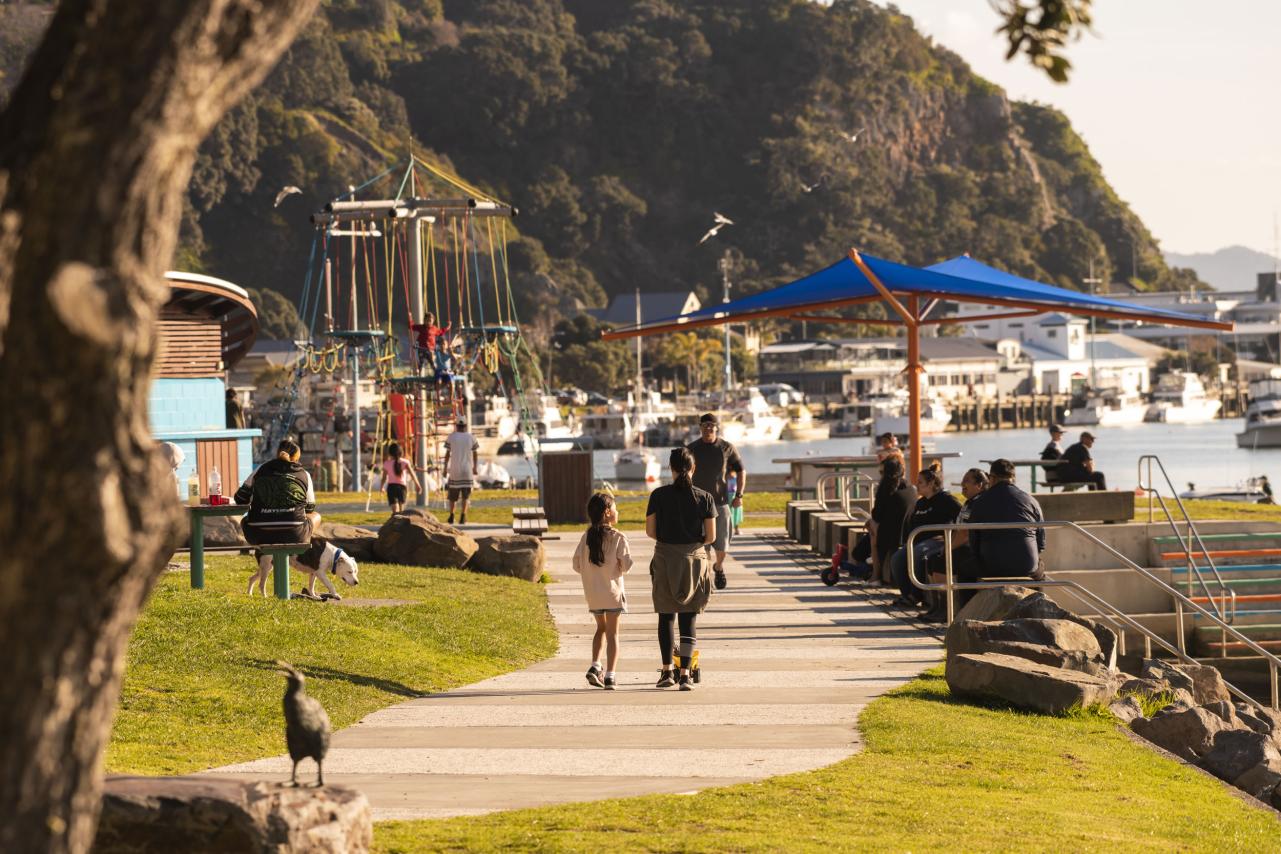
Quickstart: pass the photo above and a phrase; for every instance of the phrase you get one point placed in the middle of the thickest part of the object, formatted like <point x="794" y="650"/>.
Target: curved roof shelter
<point x="911" y="296"/>
<point x="194" y="296"/>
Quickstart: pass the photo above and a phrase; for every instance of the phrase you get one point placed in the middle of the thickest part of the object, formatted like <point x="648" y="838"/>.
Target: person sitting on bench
<point x="281" y="499"/>
<point x="1078" y="465"/>
<point x="1054" y="451"/>
<point x="1008" y="552"/>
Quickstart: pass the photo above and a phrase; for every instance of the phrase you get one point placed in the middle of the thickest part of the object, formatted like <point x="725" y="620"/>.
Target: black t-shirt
<point x="1076" y="456"/>
<point x="942" y="508"/>
<point x="680" y="513"/>
<point x="712" y="460"/>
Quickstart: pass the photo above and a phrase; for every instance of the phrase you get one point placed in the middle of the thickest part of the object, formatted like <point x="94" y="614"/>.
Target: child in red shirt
<point x="428" y="340"/>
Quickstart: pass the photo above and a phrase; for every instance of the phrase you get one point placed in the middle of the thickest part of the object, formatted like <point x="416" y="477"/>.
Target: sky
<point x="1179" y="100"/>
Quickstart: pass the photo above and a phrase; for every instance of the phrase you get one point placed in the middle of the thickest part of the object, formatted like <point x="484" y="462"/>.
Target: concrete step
<point x="1247" y="571"/>
<point x="1222" y="538"/>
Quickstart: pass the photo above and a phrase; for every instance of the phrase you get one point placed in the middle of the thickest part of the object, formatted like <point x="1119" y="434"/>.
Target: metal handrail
<point x="842" y="494"/>
<point x="948" y="586"/>
<point x="1229" y="609"/>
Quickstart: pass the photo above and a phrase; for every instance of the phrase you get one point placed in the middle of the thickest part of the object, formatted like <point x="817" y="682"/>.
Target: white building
<point x="1060" y="356"/>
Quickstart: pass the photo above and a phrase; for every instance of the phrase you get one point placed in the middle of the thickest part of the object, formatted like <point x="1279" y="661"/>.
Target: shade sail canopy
<point x="960" y="279"/>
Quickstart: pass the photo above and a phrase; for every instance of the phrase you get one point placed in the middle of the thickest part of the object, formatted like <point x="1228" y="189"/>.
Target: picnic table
<point x="1032" y="464"/>
<point x="279" y="553"/>
<point x="805" y="470"/>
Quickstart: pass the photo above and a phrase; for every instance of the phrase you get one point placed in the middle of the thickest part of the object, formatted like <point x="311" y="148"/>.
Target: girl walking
<point x="395" y="470"/>
<point x="602" y="559"/>
<point x="682" y="519"/>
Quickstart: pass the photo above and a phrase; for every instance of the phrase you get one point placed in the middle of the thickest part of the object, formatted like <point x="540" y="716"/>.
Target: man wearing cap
<point x="461" y="464"/>
<point x="1078" y="465"/>
<point x="714" y="458"/>
<point x="1010" y="551"/>
<point x="1054" y="450"/>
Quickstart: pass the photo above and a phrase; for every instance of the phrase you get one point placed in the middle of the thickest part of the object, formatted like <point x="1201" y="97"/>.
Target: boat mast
<point x="640" y="375"/>
<point x="1091" y="280"/>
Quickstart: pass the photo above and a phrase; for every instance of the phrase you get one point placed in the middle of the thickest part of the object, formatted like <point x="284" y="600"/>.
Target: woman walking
<point x="681" y="518"/>
<point x="602" y="559"/>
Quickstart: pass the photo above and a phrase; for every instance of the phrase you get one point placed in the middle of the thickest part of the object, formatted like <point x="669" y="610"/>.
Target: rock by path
<point x="787" y="665"/>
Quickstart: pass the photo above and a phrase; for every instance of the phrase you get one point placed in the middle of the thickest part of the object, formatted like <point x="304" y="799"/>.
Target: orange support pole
<point x="914" y="371"/>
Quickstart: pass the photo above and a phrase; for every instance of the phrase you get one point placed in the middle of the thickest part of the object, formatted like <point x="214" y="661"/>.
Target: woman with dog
<point x="395" y="470"/>
<point x="281" y="499"/>
<point x="681" y="518"/>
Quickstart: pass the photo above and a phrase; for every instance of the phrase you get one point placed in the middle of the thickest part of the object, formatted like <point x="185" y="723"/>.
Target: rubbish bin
<point x="564" y="485"/>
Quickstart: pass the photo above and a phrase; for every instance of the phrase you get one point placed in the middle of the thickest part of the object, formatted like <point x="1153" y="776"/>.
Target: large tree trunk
<point x="96" y="149"/>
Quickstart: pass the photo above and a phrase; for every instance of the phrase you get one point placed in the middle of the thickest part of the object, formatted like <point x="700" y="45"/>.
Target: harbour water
<point x="1204" y="454"/>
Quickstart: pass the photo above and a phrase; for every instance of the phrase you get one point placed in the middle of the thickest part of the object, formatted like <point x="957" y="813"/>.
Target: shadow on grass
<point x="328" y="673"/>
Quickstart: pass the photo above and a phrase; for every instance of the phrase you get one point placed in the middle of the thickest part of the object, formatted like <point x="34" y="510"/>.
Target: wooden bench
<point x="531" y="521"/>
<point x="1092" y="506"/>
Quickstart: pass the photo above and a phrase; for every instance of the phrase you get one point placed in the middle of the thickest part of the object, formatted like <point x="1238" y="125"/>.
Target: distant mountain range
<point x="1233" y="268"/>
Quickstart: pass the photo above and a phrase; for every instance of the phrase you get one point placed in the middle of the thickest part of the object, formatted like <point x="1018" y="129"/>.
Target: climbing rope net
<point x="376" y="269"/>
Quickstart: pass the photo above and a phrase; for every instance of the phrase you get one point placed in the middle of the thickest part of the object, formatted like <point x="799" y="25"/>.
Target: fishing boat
<point x="1249" y="491"/>
<point x="935" y="417"/>
<point x="1180" y="398"/>
<point x="1262" y="416"/>
<point x="751" y="420"/>
<point x="637" y="464"/>
<point x="801" y="426"/>
<point x="1107" y="408"/>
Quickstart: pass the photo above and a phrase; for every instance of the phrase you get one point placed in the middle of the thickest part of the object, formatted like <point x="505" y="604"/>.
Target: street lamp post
<point x="1091" y="280"/>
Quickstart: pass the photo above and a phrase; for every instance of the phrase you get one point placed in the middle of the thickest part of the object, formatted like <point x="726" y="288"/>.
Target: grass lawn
<point x="200" y="689"/>
<point x="935" y="775"/>
<point x="1209" y="510"/>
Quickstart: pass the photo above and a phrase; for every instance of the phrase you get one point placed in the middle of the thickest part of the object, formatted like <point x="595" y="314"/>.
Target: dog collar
<point x="333" y="567"/>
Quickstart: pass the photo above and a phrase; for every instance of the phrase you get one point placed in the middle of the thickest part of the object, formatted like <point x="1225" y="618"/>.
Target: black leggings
<point x="667" y="636"/>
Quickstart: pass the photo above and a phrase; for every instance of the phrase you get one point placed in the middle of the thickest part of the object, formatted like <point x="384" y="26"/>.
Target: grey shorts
<point x="723" y="528"/>
<point x="609" y="610"/>
<point x="457" y="493"/>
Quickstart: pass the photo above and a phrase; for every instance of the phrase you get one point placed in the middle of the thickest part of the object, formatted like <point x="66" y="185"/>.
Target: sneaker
<point x="905" y="602"/>
<point x="686" y="683"/>
<point x="720" y="581"/>
<point x="696" y="674"/>
<point x="451" y="519"/>
<point x="594" y="677"/>
<point x="609" y="683"/>
<point x="462" y="520"/>
<point x="666" y="679"/>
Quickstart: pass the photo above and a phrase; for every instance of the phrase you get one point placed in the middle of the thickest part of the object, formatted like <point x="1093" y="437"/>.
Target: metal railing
<point x="843" y="492"/>
<point x="1228" y="610"/>
<point x="1109" y="612"/>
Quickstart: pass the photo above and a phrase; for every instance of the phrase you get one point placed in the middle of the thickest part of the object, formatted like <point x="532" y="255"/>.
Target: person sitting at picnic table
<point x="1008" y="552"/>
<point x="893" y="500"/>
<point x="281" y="499"/>
<point x="1053" y="450"/>
<point x="934" y="506"/>
<point x="1078" y="465"/>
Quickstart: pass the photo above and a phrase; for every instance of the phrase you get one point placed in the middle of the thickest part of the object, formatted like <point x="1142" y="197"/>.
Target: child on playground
<point x="602" y="559"/>
<point x="395" y="470"/>
<point x="429" y="342"/>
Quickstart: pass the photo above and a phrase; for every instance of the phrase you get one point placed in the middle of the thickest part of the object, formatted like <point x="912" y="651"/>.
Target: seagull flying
<point x="852" y="137"/>
<point x="285" y="191"/>
<point x="721" y="221"/>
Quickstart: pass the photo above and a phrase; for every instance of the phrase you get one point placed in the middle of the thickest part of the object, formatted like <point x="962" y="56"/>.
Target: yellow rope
<point x="455" y="181"/>
<point x="493" y="266"/>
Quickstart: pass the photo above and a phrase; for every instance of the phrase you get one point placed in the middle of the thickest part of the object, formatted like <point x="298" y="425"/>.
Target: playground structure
<point x="376" y="267"/>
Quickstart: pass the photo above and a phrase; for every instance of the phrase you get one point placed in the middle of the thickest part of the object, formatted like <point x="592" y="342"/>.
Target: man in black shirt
<point x="1008" y="551"/>
<point x="714" y="458"/>
<point x="1078" y="466"/>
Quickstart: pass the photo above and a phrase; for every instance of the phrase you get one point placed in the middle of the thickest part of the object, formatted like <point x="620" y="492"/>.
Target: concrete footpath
<point x="787" y="665"/>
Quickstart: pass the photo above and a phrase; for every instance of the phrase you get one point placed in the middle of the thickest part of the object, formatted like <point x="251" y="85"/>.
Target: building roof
<point x="797" y="347"/>
<point x="1059" y="319"/>
<point x="197" y="295"/>
<point x="1097" y="350"/>
<point x="653" y="306"/>
<point x="1146" y="349"/>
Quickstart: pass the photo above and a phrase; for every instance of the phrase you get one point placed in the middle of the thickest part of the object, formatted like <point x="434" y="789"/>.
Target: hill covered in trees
<point x="619" y="127"/>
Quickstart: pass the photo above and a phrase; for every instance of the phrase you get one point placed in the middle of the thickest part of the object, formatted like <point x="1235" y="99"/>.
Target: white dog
<point x="322" y="560"/>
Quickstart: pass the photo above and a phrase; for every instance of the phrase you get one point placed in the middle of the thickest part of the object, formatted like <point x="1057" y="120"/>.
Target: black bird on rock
<point x="306" y="725"/>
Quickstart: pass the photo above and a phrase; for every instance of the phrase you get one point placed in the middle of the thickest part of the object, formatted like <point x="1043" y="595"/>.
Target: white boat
<point x="1250" y="491"/>
<point x="935" y="417"/>
<point x="1180" y="398"/>
<point x="751" y="420"/>
<point x="1107" y="408"/>
<point x="1262" y="416"/>
<point x="801" y="426"/>
<point x="637" y="464"/>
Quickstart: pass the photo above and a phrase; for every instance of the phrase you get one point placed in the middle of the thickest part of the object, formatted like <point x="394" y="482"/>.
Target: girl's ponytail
<point x="682" y="463"/>
<point x="597" y="506"/>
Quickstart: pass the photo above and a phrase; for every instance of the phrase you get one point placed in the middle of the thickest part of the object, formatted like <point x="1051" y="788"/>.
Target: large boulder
<point x="165" y="814"/>
<point x="222" y="531"/>
<point x="1126" y="708"/>
<point x="1202" y="680"/>
<point x="1261" y="781"/>
<point x="1186" y="731"/>
<point x="1262" y="720"/>
<point x="1236" y="751"/>
<point x="994" y="603"/>
<point x="1023" y="683"/>
<point x="1154" y="687"/>
<point x="1012" y="602"/>
<point x="1058" y="643"/>
<point x="357" y="542"/>
<point x="414" y="539"/>
<point x="515" y="555"/>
